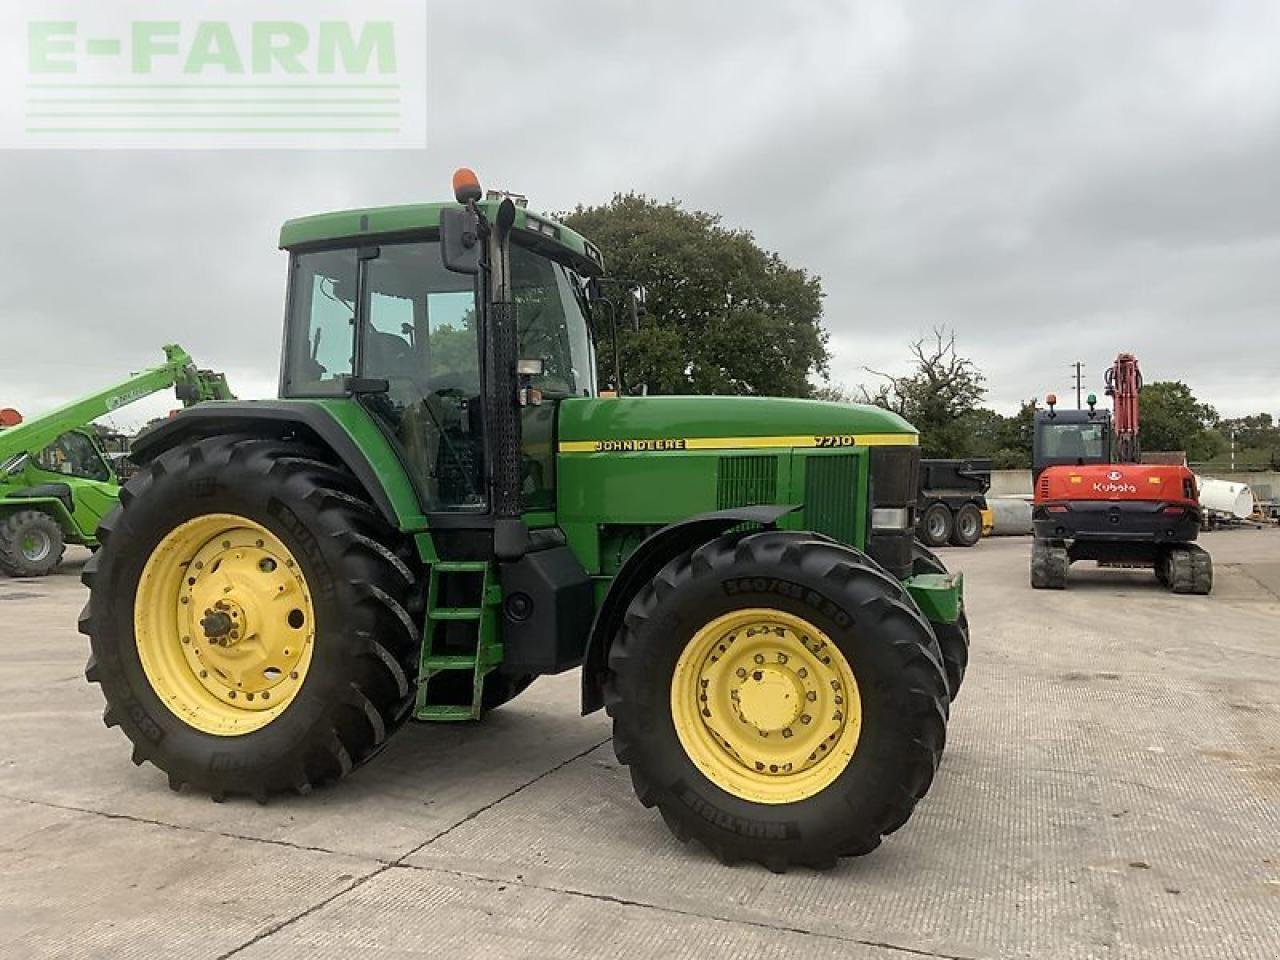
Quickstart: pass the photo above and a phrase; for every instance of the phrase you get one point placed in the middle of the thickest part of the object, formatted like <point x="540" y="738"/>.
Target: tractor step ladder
<point x="482" y="652"/>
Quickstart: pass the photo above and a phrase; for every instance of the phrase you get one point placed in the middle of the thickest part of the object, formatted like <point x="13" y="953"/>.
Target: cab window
<point x="421" y="336"/>
<point x="1076" y="441"/>
<point x="322" y="298"/>
<point x="74" y="455"/>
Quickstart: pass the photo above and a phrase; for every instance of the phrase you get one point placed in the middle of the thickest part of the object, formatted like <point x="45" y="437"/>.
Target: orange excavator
<point x="1095" y="500"/>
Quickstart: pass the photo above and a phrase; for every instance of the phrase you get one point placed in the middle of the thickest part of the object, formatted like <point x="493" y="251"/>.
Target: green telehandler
<point x="443" y="505"/>
<point x="57" y="480"/>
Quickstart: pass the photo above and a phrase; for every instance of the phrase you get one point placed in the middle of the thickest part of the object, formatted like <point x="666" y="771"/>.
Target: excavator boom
<point x="1124" y="382"/>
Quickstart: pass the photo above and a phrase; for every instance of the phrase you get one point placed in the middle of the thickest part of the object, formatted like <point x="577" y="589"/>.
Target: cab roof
<point x="372" y="223"/>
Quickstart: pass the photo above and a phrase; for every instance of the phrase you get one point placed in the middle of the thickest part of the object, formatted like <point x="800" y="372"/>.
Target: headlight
<point x="890" y="518"/>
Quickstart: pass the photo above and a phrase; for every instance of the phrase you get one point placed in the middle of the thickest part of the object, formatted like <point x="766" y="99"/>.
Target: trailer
<point x="952" y="502"/>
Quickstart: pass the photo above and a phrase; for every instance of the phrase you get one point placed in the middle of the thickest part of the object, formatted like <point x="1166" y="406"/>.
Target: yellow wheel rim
<point x="766" y="706"/>
<point x="224" y="624"/>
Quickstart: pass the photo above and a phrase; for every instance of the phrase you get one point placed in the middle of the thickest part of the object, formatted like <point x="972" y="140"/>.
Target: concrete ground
<point x="1111" y="788"/>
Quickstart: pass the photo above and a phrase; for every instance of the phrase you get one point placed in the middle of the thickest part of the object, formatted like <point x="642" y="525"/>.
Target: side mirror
<point x="460" y="240"/>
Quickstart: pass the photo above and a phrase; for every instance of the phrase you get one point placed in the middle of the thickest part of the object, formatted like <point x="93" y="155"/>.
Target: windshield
<point x="552" y="325"/>
<point x="1074" y="441"/>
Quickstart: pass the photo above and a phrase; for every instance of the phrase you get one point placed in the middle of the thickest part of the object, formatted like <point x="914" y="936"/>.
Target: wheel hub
<point x="770" y="699"/>
<point x="36" y="546"/>
<point x="224" y="623"/>
<point x="776" y="712"/>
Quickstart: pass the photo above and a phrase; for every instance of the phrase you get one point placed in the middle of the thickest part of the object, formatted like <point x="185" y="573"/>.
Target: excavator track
<point x="1187" y="568"/>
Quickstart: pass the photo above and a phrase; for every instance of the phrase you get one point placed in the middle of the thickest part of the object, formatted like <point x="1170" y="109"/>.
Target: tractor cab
<point x="1073" y="438"/>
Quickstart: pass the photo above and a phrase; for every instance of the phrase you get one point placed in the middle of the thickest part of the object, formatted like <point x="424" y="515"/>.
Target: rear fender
<point x="639" y="568"/>
<point x="282" y="419"/>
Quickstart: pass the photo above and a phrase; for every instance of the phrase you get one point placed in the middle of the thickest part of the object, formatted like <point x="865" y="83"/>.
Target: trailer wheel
<point x="967" y="529"/>
<point x="778" y="698"/>
<point x="1049" y="565"/>
<point x="31" y="544"/>
<point x="936" y="525"/>
<point x="247" y="618"/>
<point x="953" y="638"/>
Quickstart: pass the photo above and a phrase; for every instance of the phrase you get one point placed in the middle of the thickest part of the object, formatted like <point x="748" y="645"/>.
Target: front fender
<point x="639" y="568"/>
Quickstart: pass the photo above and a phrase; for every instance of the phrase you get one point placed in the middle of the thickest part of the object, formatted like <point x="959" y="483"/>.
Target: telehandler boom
<point x="56" y="482"/>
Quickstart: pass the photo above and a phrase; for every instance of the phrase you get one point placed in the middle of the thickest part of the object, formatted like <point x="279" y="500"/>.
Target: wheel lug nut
<point x="811" y="696"/>
<point x="759" y="658"/>
<point x="788" y="733"/>
<point x="802" y="673"/>
<point x="805" y="718"/>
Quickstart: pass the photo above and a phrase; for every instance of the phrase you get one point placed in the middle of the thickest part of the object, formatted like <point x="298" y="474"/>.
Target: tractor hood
<point x="621" y="424"/>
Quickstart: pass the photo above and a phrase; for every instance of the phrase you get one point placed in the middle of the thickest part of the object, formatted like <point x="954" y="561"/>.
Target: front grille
<point x="831" y="496"/>
<point x="746" y="481"/>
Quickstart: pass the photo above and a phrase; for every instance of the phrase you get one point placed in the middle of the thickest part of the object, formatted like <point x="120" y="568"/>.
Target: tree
<point x="1257" y="442"/>
<point x="719" y="314"/>
<point x="1006" y="441"/>
<point x="943" y="389"/>
<point x="1173" y="419"/>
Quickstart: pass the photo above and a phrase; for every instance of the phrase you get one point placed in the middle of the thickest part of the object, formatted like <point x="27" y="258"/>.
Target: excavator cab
<point x="1070" y="438"/>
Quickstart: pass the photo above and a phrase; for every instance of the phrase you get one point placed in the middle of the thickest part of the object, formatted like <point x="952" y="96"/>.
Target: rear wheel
<point x="1049" y="565"/>
<point x="936" y="525"/>
<point x="247" y="618"/>
<point x="31" y="544"/>
<point x="953" y="638"/>
<point x="967" y="529"/>
<point x="778" y="698"/>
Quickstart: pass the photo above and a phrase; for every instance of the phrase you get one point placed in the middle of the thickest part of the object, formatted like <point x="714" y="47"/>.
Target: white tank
<point x="1226" y="497"/>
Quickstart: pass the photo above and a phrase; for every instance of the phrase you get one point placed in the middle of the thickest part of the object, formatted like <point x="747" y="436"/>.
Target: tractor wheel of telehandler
<point x="936" y="525"/>
<point x="953" y="638"/>
<point x="779" y="698"/>
<point x="247" y="618"/>
<point x="967" y="529"/>
<point x="31" y="544"/>
<point x="1049" y="565"/>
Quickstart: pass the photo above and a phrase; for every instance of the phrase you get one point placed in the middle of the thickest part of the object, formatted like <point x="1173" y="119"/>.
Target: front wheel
<point x="31" y="544"/>
<point x="779" y="698"/>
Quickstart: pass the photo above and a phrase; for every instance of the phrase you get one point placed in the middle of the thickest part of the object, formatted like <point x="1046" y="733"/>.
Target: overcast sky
<point x="1056" y="181"/>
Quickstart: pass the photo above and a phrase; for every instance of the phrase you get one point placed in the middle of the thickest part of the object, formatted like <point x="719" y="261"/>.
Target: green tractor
<point x="442" y="506"/>
<point x="58" y="480"/>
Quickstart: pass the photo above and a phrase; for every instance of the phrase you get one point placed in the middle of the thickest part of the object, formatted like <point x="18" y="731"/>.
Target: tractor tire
<point x="1186" y="569"/>
<point x="1049" y="565"/>
<point x="31" y="544"/>
<point x="232" y="535"/>
<point x="936" y="524"/>
<point x="967" y="528"/>
<point x="754" y="751"/>
<point x="953" y="638"/>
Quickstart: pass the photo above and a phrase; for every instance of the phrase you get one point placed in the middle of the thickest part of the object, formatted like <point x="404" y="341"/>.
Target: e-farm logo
<point x="205" y="74"/>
